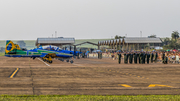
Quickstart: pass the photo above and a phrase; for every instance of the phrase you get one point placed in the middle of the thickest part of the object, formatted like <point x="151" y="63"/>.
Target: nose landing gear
<point x="48" y="59"/>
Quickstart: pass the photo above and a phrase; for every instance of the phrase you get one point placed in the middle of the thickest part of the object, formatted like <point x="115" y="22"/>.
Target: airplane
<point x="46" y="53"/>
<point x="55" y="48"/>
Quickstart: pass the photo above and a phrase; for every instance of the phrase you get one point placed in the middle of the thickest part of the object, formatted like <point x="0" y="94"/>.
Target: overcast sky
<point x="87" y="19"/>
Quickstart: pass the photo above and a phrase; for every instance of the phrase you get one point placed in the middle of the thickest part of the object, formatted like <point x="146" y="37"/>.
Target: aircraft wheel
<point x="62" y="60"/>
<point x="71" y="61"/>
<point x="50" y="61"/>
<point x="67" y="60"/>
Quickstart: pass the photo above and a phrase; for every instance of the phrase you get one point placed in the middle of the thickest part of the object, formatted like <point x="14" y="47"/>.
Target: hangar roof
<point x="55" y="41"/>
<point x="142" y="40"/>
<point x="133" y="40"/>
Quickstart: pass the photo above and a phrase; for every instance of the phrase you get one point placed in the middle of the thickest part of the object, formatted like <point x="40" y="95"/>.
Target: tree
<point x="152" y="36"/>
<point x="167" y="41"/>
<point x="175" y="35"/>
<point x="118" y="37"/>
<point x="174" y="43"/>
<point x="147" y="46"/>
<point x="21" y="44"/>
<point x="178" y="40"/>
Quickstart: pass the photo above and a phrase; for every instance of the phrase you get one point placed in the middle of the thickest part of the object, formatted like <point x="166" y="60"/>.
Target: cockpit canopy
<point x="50" y="47"/>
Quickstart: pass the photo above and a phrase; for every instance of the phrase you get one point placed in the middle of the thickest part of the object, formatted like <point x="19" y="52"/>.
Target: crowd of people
<point x="142" y="57"/>
<point x="139" y="57"/>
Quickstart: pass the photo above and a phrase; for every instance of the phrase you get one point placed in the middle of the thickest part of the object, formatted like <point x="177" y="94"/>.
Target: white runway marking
<point x="43" y="62"/>
<point x="78" y="65"/>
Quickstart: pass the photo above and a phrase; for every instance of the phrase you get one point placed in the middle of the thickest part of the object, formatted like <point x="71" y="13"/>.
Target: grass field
<point x="1" y="54"/>
<point x="91" y="98"/>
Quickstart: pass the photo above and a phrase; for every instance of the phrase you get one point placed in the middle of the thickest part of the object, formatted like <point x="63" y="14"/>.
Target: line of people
<point x="138" y="57"/>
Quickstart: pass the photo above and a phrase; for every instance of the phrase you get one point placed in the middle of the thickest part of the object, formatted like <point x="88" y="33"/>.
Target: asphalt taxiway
<point x="20" y="76"/>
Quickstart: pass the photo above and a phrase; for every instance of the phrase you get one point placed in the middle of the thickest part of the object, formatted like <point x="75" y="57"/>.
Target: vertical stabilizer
<point x="9" y="46"/>
<point x="7" y="41"/>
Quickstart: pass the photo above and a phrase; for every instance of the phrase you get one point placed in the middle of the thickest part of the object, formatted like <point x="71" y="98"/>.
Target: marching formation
<point x="147" y="57"/>
<point x="138" y="57"/>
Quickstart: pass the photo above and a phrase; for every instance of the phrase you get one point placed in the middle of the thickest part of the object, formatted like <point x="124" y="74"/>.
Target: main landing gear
<point x="48" y="59"/>
<point x="71" y="61"/>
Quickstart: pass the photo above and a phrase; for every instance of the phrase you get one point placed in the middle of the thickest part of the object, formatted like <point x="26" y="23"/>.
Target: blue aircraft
<point x="45" y="52"/>
<point x="55" y="48"/>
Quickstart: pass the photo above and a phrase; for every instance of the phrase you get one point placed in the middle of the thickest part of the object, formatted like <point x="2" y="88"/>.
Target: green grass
<point x="90" y="98"/>
<point x="1" y="54"/>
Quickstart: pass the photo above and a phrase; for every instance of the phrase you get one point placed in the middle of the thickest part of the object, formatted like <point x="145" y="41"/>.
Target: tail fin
<point x="9" y="46"/>
<point x="7" y="41"/>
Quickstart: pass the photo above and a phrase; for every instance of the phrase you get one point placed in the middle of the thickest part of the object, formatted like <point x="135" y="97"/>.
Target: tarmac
<point x="89" y="76"/>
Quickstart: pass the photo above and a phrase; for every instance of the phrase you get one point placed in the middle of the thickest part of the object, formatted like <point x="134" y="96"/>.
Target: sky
<point x="87" y="19"/>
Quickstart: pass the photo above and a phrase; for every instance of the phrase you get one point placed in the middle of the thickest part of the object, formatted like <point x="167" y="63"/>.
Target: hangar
<point x="59" y="42"/>
<point x="125" y="44"/>
<point x="129" y="43"/>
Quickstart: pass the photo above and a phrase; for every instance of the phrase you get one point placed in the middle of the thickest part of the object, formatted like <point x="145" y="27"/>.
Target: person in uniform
<point x="130" y="57"/>
<point x="141" y="58"/>
<point x="135" y="57"/>
<point x="156" y="56"/>
<point x="98" y="55"/>
<point x="163" y="57"/>
<point x="152" y="56"/>
<point x="148" y="56"/>
<point x="119" y="57"/>
<point x="125" y="58"/>
<point x="127" y="54"/>
<point x="144" y="57"/>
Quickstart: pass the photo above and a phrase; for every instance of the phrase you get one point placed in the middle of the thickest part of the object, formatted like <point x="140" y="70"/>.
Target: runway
<point x="21" y="76"/>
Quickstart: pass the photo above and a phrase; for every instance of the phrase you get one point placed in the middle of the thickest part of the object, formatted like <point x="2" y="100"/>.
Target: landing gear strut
<point x="44" y="59"/>
<point x="48" y="59"/>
